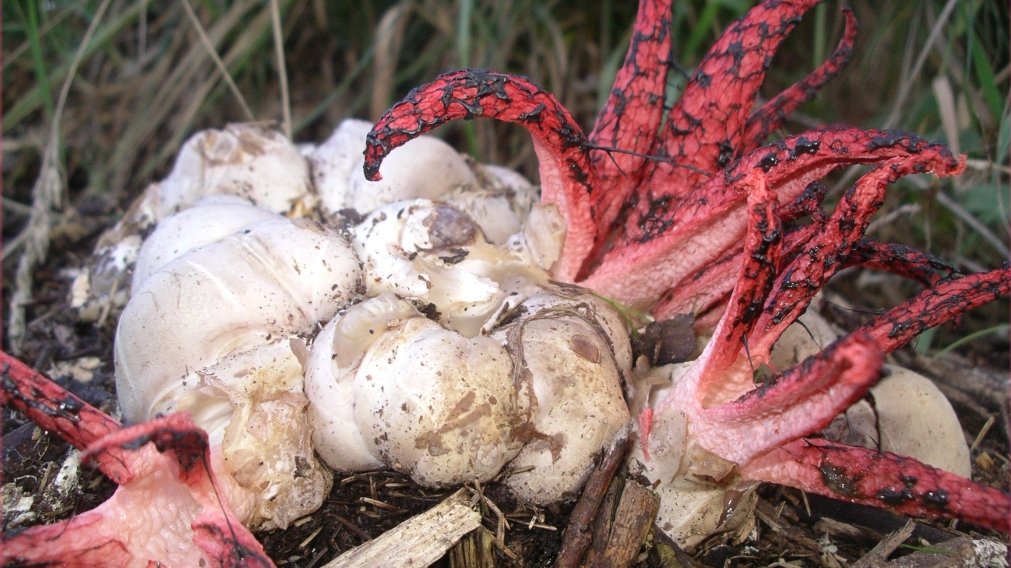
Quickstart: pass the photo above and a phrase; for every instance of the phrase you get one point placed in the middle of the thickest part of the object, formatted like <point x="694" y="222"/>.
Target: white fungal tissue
<point x="312" y="321"/>
<point x="426" y="338"/>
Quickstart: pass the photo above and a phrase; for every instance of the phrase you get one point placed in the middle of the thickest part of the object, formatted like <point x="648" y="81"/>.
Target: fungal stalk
<point x="683" y="210"/>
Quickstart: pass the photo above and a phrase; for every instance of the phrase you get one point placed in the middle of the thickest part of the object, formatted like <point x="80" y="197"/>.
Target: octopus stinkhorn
<point x="171" y="505"/>
<point x="670" y="210"/>
<point x="682" y="210"/>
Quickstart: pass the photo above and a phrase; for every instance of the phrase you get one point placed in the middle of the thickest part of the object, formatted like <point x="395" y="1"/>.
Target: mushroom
<point x="429" y="169"/>
<point x="907" y="414"/>
<point x="208" y="220"/>
<point x="333" y="163"/>
<point x="497" y="199"/>
<point x="681" y="209"/>
<point x="434" y="254"/>
<point x="666" y="208"/>
<point x="572" y="354"/>
<point x="210" y="333"/>
<point x="389" y="387"/>
<point x="904" y="413"/>
<point x="245" y="160"/>
<point x="173" y="505"/>
<point x="248" y="161"/>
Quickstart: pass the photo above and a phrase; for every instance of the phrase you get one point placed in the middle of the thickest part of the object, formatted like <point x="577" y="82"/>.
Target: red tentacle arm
<point x="677" y="241"/>
<point x="756" y="277"/>
<point x="631" y="117"/>
<point x="170" y="506"/>
<point x="708" y="125"/>
<point x="828" y="249"/>
<point x="938" y="304"/>
<point x="797" y="403"/>
<point x="772" y="114"/>
<point x="806" y="398"/>
<point x="881" y="479"/>
<point x="567" y="177"/>
<point x="54" y="409"/>
<point x="901" y="260"/>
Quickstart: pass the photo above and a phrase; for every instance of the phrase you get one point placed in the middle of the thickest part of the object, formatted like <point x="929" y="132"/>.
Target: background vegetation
<point x="99" y="94"/>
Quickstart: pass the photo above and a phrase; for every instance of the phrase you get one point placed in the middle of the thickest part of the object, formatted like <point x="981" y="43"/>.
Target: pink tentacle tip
<point x="645" y="428"/>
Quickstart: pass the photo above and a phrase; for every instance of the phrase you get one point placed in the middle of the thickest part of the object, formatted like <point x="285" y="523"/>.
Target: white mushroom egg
<point x="252" y="404"/>
<point x="425" y="167"/>
<point x="245" y="292"/>
<point x="209" y="220"/>
<point x="333" y="162"/>
<point x="331" y="374"/>
<point x="418" y="398"/>
<point x="570" y="386"/>
<point x="246" y="160"/>
<point x="243" y="160"/>
<point x="434" y="254"/>
<point x="500" y="205"/>
<point x="542" y="236"/>
<point x="907" y="414"/>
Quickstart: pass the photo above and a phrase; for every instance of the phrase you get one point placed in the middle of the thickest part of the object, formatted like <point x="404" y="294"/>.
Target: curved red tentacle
<point x="707" y="126"/>
<point x="936" y="305"/>
<point x="828" y="249"/>
<point x="567" y="177"/>
<point x="756" y="277"/>
<point x="881" y="479"/>
<point x="901" y="260"/>
<point x="164" y="464"/>
<point x="796" y="403"/>
<point x="771" y="115"/>
<point x="630" y="119"/>
<point x="55" y="409"/>
<point x="675" y="251"/>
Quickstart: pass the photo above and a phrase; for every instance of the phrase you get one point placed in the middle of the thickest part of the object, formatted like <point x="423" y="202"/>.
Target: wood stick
<point x="577" y="536"/>
<point x="418" y="541"/>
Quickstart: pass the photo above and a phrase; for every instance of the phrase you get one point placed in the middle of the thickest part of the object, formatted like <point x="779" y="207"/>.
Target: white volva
<point x="209" y="220"/>
<point x="572" y="353"/>
<point x="390" y="387"/>
<point x="410" y="372"/>
<point x="209" y="333"/>
<point x="433" y="253"/>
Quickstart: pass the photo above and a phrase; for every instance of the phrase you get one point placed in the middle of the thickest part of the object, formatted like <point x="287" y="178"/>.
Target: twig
<point x="213" y="52"/>
<point x="282" y="68"/>
<point x="578" y="535"/>
<point x="883" y="549"/>
<point x="418" y="541"/>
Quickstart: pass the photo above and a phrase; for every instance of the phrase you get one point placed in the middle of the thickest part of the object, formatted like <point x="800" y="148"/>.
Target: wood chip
<point x="633" y="520"/>
<point x="476" y="550"/>
<point x="955" y="553"/>
<point x="418" y="541"/>
<point x="881" y="552"/>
